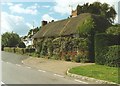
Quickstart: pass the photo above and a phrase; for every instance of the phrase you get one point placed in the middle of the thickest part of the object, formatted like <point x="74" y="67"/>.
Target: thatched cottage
<point x="70" y="37"/>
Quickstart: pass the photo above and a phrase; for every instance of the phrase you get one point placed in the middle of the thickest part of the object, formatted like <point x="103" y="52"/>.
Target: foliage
<point x="98" y="8"/>
<point x="67" y="57"/>
<point x="19" y="50"/>
<point x="98" y="72"/>
<point x="32" y="32"/>
<point x="10" y="39"/>
<point x="56" y="57"/>
<point x="115" y="30"/>
<point x="112" y="56"/>
<point x="87" y="26"/>
<point x="77" y="58"/>
<point x="104" y="45"/>
<point x="7" y="49"/>
<point x="21" y="45"/>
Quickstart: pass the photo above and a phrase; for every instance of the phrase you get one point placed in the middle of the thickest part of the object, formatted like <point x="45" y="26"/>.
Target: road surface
<point x="14" y="72"/>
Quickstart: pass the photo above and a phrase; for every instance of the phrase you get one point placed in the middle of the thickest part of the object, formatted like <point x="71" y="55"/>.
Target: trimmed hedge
<point x="7" y="49"/>
<point x="19" y="50"/>
<point x="113" y="56"/>
<point x="107" y="47"/>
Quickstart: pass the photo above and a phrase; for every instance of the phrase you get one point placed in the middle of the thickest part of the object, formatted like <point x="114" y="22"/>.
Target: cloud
<point x="64" y="6"/>
<point x="29" y="25"/>
<point x="9" y="4"/>
<point x="13" y="23"/>
<point x="46" y="6"/>
<point x="47" y="17"/>
<point x="18" y="8"/>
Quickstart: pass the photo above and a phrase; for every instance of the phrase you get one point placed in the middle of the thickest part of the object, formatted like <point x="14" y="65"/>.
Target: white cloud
<point x="13" y="23"/>
<point x="9" y="3"/>
<point x="18" y="8"/>
<point x="63" y="6"/>
<point x="47" y="17"/>
<point x="46" y="6"/>
<point x="29" y="25"/>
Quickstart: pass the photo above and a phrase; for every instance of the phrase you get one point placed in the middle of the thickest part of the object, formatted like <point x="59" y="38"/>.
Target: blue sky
<point x="19" y="16"/>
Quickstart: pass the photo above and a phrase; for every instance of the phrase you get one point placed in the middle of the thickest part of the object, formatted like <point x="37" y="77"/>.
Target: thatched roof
<point x="62" y="27"/>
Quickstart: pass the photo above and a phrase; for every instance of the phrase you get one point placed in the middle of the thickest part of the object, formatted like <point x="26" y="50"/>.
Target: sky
<point x="20" y="16"/>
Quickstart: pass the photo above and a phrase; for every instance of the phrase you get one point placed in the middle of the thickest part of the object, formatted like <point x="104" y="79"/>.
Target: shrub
<point x="56" y="57"/>
<point x="21" y="45"/>
<point x="113" y="56"/>
<point x="67" y="57"/>
<point x="20" y="50"/>
<point x="8" y="49"/>
<point x="115" y="30"/>
<point x="106" y="49"/>
<point x="77" y="58"/>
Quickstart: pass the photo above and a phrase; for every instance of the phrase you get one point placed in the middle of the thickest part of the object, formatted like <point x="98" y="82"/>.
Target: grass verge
<point x="97" y="71"/>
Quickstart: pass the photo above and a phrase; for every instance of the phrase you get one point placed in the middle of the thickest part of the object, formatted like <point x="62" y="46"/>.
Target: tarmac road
<point x="14" y="72"/>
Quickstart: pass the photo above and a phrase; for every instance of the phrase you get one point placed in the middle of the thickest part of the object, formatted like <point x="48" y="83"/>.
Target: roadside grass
<point x="97" y="71"/>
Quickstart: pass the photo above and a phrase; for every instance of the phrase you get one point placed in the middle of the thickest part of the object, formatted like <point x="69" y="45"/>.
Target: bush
<point x="29" y="50"/>
<point x="20" y="50"/>
<point x="115" y="30"/>
<point x="106" y="49"/>
<point x="56" y="57"/>
<point x="77" y="58"/>
<point x="67" y="57"/>
<point x="113" y="56"/>
<point x="21" y="45"/>
<point x="8" y="49"/>
<point x="81" y="58"/>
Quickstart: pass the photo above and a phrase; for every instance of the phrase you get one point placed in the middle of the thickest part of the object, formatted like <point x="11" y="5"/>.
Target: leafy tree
<point x="32" y="32"/>
<point x="10" y="39"/>
<point x="115" y="30"/>
<point x="21" y="45"/>
<point x="99" y="9"/>
<point x="87" y="26"/>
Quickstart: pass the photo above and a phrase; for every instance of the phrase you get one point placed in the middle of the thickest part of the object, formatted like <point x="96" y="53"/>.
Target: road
<point x="14" y="72"/>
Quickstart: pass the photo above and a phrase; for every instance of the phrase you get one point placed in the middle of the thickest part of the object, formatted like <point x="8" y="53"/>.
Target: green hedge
<point x="112" y="57"/>
<point x="19" y="50"/>
<point x="106" y="49"/>
<point x="7" y="49"/>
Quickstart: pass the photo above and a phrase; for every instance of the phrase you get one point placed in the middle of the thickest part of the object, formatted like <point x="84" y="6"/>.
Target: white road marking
<point x="41" y="70"/>
<point x="81" y="81"/>
<point x="29" y="67"/>
<point x="18" y="65"/>
<point x="58" y="75"/>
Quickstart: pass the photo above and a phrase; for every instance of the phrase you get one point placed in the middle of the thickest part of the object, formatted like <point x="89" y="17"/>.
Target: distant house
<point x="63" y="37"/>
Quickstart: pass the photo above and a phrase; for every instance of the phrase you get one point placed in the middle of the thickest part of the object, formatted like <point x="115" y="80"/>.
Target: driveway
<point x="56" y="66"/>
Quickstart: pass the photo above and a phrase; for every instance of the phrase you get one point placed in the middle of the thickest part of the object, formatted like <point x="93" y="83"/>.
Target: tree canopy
<point x="98" y="8"/>
<point x="115" y="30"/>
<point x="32" y="32"/>
<point x="10" y="39"/>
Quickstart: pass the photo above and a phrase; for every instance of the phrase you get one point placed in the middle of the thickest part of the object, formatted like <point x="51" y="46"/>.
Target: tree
<point x="10" y="39"/>
<point x="21" y="45"/>
<point x="99" y="9"/>
<point x="32" y="32"/>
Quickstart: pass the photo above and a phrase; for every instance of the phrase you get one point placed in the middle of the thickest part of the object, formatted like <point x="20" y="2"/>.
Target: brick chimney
<point x="44" y="23"/>
<point x="74" y="13"/>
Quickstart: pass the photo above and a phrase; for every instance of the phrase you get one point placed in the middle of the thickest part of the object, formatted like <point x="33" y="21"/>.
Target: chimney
<point x="44" y="23"/>
<point x="74" y="13"/>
